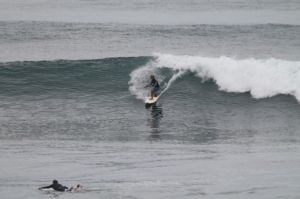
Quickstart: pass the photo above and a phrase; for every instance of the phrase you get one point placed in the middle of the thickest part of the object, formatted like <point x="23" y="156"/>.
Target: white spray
<point x="140" y="78"/>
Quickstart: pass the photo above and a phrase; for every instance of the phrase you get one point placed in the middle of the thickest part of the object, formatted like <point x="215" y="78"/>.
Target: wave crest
<point x="261" y="77"/>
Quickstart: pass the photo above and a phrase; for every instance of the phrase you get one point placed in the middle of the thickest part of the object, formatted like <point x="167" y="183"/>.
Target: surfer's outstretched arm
<point x="56" y="186"/>
<point x="47" y="187"/>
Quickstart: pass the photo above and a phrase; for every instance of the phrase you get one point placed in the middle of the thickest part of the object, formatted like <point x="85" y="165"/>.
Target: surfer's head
<point x="152" y="76"/>
<point x="54" y="182"/>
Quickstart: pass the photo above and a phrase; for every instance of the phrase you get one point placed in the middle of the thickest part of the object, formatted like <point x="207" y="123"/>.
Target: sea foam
<point x="261" y="77"/>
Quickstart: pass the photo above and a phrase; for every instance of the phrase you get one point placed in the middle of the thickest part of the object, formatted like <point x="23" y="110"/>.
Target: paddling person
<point x="154" y="87"/>
<point x="56" y="186"/>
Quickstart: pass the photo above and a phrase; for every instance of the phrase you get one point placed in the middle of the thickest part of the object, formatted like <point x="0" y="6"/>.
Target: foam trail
<point x="170" y="82"/>
<point x="262" y="78"/>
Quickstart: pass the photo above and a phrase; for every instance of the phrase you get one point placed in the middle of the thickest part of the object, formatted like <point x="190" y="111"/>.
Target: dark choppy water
<point x="77" y="41"/>
<point x="83" y="121"/>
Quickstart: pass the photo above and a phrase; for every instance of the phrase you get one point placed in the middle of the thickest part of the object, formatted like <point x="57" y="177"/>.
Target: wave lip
<point x="261" y="77"/>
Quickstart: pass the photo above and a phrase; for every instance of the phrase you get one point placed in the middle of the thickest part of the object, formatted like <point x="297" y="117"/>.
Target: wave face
<point x="261" y="77"/>
<point x="62" y="77"/>
<point x="103" y="99"/>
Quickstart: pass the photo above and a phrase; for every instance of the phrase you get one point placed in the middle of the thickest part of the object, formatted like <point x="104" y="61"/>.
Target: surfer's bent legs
<point x="154" y="92"/>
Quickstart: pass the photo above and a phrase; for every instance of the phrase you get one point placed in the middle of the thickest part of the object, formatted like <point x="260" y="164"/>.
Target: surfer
<point x="154" y="87"/>
<point x="56" y="186"/>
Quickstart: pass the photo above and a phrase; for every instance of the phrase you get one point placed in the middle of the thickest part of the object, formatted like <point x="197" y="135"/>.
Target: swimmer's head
<point x="54" y="182"/>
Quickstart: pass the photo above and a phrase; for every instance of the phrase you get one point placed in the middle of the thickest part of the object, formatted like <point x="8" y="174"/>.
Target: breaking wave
<point x="261" y="77"/>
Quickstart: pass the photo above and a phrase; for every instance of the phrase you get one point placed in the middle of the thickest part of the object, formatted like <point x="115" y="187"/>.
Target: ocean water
<point x="72" y="90"/>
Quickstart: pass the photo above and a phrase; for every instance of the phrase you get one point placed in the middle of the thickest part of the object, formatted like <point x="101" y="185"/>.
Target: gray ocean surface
<point x="72" y="90"/>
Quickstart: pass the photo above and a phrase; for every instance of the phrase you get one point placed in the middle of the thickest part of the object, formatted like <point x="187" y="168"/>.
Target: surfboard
<point x="150" y="102"/>
<point x="48" y="190"/>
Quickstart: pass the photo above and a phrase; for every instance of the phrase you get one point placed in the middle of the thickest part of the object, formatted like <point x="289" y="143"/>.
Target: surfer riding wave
<point x="155" y="88"/>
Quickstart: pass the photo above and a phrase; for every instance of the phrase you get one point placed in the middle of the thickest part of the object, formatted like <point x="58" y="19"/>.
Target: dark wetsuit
<point x="155" y="86"/>
<point x="56" y="187"/>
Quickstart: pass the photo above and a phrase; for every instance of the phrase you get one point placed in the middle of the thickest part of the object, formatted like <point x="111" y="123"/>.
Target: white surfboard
<point x="152" y="101"/>
<point x="48" y="190"/>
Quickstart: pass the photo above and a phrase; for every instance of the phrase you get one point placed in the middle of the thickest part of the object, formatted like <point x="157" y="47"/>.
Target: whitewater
<point x="262" y="78"/>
